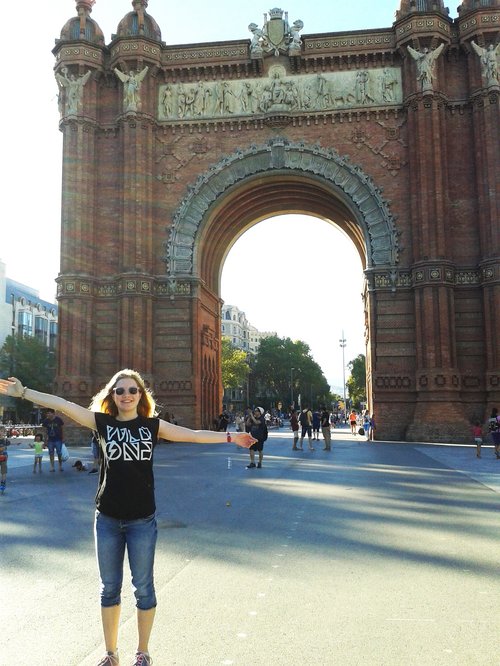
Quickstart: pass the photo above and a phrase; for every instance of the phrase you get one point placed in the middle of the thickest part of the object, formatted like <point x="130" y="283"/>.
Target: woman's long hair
<point x="103" y="400"/>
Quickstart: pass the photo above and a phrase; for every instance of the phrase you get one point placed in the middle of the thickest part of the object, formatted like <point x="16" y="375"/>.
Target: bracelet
<point x="229" y="437"/>
<point x="25" y="388"/>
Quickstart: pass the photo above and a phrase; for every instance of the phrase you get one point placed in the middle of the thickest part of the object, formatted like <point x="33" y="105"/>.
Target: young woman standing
<point x="123" y="416"/>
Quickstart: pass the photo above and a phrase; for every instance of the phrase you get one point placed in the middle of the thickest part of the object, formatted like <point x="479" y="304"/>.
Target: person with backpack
<point x="494" y="428"/>
<point x="305" y="420"/>
<point x="316" y="424"/>
<point x="258" y="430"/>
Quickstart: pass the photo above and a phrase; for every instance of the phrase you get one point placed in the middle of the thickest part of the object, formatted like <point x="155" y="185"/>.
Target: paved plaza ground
<point x="381" y="554"/>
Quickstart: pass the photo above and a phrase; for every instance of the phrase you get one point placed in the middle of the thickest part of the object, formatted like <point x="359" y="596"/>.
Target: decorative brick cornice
<point x="228" y="51"/>
<point x="427" y="274"/>
<point x="123" y="285"/>
<point x="478" y="22"/>
<point x="490" y="271"/>
<point x="393" y="383"/>
<point x="422" y="27"/>
<point x="371" y="40"/>
<point x="125" y="48"/>
<point x="173" y="386"/>
<point x="81" y="54"/>
<point x="434" y="380"/>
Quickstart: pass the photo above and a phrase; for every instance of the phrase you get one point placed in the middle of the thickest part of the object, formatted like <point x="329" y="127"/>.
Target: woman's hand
<point x="11" y="387"/>
<point x="243" y="439"/>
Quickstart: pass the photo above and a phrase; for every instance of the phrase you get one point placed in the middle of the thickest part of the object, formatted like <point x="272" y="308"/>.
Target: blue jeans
<point x="54" y="444"/>
<point x="111" y="537"/>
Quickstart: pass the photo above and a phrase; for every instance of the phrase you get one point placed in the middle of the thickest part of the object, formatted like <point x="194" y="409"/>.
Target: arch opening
<point x="300" y="277"/>
<point x="274" y="178"/>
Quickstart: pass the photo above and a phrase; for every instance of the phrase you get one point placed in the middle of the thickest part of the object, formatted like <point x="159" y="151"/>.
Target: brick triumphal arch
<point x="172" y="152"/>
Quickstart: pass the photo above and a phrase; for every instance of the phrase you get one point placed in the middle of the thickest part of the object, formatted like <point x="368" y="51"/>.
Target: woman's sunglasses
<point x="131" y="389"/>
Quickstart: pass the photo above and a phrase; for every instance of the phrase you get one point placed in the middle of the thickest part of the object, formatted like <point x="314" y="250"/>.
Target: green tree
<point x="273" y="373"/>
<point x="234" y="365"/>
<point x="356" y="384"/>
<point x="30" y="361"/>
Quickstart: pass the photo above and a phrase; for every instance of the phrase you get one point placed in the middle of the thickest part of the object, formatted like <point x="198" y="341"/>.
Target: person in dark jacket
<point x="258" y="430"/>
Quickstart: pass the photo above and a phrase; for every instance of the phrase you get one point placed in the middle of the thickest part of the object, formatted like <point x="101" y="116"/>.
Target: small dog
<point x="80" y="467"/>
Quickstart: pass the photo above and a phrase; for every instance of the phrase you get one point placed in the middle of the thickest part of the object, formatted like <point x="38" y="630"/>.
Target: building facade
<point x="172" y="152"/>
<point x="23" y="313"/>
<point x="243" y="336"/>
<point x="236" y="327"/>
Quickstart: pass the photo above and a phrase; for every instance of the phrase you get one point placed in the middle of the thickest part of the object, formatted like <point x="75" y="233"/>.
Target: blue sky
<point x="31" y="192"/>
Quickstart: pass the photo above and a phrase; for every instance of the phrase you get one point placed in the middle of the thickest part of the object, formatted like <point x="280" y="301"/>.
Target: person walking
<point x="477" y="433"/>
<point x="258" y="430"/>
<point x="366" y="424"/>
<point x="316" y="424"/>
<point x="54" y="426"/>
<point x="223" y="422"/>
<point x="371" y="430"/>
<point x="305" y="420"/>
<point x="123" y="416"/>
<point x="352" y="421"/>
<point x="4" y="456"/>
<point x="494" y="428"/>
<point x="325" y="429"/>
<point x="294" y="425"/>
<point x="38" y="446"/>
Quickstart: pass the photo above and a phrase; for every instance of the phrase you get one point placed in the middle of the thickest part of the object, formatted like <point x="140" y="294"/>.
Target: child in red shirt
<point x="477" y="433"/>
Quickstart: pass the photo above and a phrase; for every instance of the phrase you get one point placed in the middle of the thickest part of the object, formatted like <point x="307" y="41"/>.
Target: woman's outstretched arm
<point x="176" y="433"/>
<point x="13" y="388"/>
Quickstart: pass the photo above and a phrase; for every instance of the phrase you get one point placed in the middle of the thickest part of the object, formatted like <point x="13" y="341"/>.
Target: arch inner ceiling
<point x="259" y="199"/>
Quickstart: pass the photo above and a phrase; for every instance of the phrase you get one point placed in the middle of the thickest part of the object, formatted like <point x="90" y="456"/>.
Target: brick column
<point x="75" y="286"/>
<point x="486" y="112"/>
<point x="438" y="412"/>
<point x="136" y="239"/>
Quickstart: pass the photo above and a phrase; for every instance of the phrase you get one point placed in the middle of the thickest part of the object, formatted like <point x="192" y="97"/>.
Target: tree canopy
<point x="284" y="368"/>
<point x="234" y="365"/>
<point x="28" y="359"/>
<point x="356" y="384"/>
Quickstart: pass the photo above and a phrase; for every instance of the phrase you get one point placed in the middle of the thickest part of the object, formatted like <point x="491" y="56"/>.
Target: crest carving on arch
<point x="296" y="158"/>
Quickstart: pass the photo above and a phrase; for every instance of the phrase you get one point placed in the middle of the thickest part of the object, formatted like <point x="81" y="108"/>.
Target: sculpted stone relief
<point x="280" y="93"/>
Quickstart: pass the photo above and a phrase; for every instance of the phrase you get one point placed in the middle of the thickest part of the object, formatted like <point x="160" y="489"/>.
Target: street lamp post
<point x="291" y="387"/>
<point x="343" y="343"/>
<point x="13" y="334"/>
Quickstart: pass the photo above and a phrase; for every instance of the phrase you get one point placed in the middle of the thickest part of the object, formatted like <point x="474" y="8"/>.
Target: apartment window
<point x="41" y="329"/>
<point x="25" y="323"/>
<point x="52" y="335"/>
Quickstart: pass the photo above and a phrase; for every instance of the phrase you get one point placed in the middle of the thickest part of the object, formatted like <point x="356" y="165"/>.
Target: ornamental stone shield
<point x="275" y="29"/>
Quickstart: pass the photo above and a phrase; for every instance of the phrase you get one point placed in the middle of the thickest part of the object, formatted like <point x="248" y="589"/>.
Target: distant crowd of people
<point x="308" y="424"/>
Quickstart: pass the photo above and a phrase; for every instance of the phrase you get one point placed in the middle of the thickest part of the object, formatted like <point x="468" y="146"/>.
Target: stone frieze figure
<point x="489" y="62"/>
<point x="131" y="88"/>
<point x="426" y="62"/>
<point x="257" y="42"/>
<point x="295" y="40"/>
<point x="71" y="89"/>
